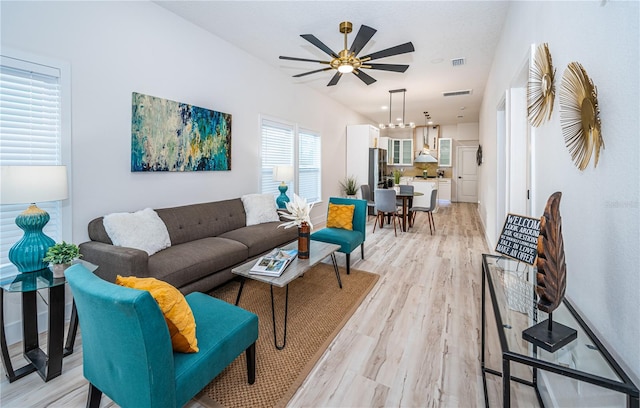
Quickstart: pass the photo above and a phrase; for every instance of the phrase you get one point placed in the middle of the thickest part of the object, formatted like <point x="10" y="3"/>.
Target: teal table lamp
<point x="282" y="174"/>
<point x="31" y="184"/>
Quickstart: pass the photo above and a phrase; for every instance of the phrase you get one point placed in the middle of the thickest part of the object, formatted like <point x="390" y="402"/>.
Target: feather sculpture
<point x="552" y="270"/>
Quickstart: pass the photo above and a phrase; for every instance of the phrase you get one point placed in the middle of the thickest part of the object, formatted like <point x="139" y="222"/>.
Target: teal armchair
<point x="348" y="240"/>
<point x="127" y="352"/>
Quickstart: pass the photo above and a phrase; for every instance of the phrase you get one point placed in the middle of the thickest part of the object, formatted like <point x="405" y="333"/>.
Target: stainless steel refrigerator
<point x="377" y="169"/>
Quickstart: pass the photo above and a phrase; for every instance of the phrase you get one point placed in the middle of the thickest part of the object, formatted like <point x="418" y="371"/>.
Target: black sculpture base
<point x="551" y="336"/>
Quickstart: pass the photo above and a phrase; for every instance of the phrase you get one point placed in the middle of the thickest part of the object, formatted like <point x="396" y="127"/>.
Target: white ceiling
<point x="439" y="30"/>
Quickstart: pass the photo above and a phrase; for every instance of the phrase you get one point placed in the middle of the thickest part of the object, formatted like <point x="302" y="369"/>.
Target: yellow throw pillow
<point x="341" y="216"/>
<point x="176" y="310"/>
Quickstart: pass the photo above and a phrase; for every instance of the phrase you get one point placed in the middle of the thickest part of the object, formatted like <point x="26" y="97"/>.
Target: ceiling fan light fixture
<point x="345" y="68"/>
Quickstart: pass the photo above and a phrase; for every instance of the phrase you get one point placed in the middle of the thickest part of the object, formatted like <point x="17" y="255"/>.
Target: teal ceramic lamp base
<point x="27" y="253"/>
<point x="282" y="199"/>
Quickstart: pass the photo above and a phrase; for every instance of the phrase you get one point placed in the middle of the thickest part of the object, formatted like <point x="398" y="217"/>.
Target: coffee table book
<point x="274" y="263"/>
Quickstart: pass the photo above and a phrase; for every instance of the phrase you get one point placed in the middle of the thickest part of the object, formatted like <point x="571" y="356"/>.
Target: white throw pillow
<point x="142" y="229"/>
<point x="260" y="208"/>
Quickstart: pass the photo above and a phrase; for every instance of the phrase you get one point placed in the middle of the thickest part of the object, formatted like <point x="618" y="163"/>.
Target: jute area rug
<point x="318" y="309"/>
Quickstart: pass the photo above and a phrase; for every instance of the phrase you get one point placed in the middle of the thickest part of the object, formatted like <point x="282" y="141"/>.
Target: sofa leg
<point x="94" y="397"/>
<point x="250" y="354"/>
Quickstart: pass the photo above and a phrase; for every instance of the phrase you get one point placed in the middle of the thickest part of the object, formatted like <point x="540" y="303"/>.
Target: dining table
<point x="407" y="201"/>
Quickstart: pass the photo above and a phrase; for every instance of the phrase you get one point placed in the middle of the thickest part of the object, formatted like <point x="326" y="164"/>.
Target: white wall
<point x="116" y="48"/>
<point x="600" y="206"/>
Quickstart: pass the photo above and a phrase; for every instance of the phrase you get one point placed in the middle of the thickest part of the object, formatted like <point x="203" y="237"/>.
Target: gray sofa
<point x="207" y="241"/>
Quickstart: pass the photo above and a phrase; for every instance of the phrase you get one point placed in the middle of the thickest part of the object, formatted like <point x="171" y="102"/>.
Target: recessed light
<point x="430" y="122"/>
<point x="462" y="108"/>
<point x="437" y="60"/>
<point x="384" y="107"/>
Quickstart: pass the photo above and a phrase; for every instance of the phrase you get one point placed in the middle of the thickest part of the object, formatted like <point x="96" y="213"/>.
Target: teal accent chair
<point x="348" y="240"/>
<point x="127" y="353"/>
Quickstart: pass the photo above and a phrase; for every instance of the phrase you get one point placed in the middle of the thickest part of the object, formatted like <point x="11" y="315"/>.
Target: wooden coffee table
<point x="298" y="267"/>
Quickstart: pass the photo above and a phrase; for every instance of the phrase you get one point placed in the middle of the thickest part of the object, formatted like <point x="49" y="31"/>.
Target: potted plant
<point x="349" y="186"/>
<point x="60" y="257"/>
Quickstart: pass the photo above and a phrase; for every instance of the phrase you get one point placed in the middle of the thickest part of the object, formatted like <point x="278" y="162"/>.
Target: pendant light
<point x="402" y="124"/>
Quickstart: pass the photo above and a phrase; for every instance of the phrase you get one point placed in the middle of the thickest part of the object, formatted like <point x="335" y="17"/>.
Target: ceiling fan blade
<point x="398" y="49"/>
<point x="387" y="67"/>
<point x="364" y="77"/>
<point x="362" y="38"/>
<point x="335" y="79"/>
<point x="303" y="59"/>
<point x="312" y="72"/>
<point x="313" y="40"/>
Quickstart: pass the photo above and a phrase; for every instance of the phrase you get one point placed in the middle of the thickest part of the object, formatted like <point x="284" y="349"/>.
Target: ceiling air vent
<point x="456" y="62"/>
<point x="457" y="93"/>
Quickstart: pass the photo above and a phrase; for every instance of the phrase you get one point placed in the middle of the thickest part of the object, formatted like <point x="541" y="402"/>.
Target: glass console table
<point x="513" y="303"/>
<point x="48" y="365"/>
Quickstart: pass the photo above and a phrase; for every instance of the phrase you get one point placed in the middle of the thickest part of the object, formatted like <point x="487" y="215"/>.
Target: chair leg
<point x="250" y="354"/>
<point x="93" y="399"/>
<point x="394" y="224"/>
<point x="376" y="222"/>
<point x="431" y="222"/>
<point x="362" y="250"/>
<point x="348" y="264"/>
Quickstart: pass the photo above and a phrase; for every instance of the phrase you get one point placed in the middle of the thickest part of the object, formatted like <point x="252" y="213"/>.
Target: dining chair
<point x="365" y="191"/>
<point x="385" y="200"/>
<point x="127" y="350"/>
<point x="427" y="209"/>
<point x="405" y="189"/>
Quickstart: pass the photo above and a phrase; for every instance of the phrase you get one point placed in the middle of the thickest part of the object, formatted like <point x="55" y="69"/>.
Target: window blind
<point x="277" y="149"/>
<point x="286" y="144"/>
<point x="30" y="122"/>
<point x="309" y="165"/>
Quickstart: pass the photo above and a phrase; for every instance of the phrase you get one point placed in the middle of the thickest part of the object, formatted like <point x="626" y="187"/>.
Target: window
<point x="287" y="144"/>
<point x="30" y="134"/>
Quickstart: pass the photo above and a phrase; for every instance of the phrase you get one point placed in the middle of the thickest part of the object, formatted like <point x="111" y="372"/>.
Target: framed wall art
<point x="174" y="136"/>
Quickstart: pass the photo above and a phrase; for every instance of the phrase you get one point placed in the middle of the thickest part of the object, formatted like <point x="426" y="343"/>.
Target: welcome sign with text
<point x="519" y="238"/>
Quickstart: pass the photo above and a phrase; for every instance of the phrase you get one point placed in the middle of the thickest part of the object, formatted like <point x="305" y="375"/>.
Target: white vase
<point x="58" y="270"/>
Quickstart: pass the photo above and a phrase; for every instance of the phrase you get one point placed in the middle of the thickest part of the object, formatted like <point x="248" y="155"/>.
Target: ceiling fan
<point x="347" y="61"/>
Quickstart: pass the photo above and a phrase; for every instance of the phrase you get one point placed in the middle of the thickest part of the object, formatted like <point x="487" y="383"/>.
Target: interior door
<point x="467" y="167"/>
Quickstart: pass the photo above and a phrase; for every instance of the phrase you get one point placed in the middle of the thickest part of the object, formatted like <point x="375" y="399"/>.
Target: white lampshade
<point x="283" y="173"/>
<point x="33" y="184"/>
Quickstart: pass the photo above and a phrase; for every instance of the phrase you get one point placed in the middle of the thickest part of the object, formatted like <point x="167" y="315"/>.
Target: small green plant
<point x="62" y="253"/>
<point x="349" y="185"/>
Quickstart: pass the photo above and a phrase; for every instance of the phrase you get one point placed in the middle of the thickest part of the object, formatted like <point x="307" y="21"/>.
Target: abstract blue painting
<point x="174" y="136"/>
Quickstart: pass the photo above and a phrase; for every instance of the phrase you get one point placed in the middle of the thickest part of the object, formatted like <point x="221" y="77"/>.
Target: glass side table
<point x="514" y="305"/>
<point x="48" y="365"/>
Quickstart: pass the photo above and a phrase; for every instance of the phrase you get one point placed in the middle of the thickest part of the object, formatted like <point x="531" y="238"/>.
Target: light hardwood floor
<point x="413" y="342"/>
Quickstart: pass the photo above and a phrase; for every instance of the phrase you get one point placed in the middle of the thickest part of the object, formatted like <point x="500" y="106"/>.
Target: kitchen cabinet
<point x="359" y="139"/>
<point x="444" y="189"/>
<point x="400" y="152"/>
<point x="383" y="143"/>
<point x="444" y="152"/>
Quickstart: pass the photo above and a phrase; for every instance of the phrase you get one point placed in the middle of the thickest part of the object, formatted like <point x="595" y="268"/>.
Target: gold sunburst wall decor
<point x="579" y="116"/>
<point x="541" y="89"/>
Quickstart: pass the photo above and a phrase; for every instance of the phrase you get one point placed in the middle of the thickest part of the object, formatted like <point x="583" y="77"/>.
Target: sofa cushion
<point x="262" y="237"/>
<point x="176" y="310"/>
<point x="191" y="261"/>
<point x="196" y="221"/>
<point x="141" y="230"/>
<point x="260" y="208"/>
<point x="340" y="216"/>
